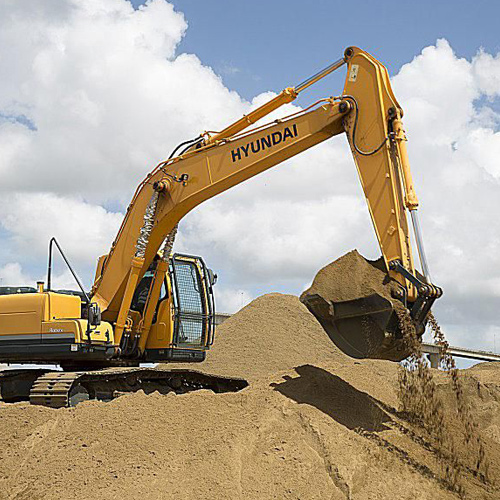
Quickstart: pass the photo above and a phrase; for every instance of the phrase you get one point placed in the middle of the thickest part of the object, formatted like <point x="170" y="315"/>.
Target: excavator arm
<point x="367" y="112"/>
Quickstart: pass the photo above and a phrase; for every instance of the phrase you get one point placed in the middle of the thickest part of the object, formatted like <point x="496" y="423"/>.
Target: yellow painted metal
<point x="47" y="313"/>
<point x="61" y="328"/>
<point x="62" y="306"/>
<point x="411" y="200"/>
<point x="24" y="313"/>
<point x="211" y="171"/>
<point x="103" y="333"/>
<point x="100" y="265"/>
<point x="370" y="116"/>
<point x="367" y="85"/>
<point x="285" y="96"/>
<point x="151" y="303"/>
<point x="161" y="333"/>
<point x="133" y="278"/>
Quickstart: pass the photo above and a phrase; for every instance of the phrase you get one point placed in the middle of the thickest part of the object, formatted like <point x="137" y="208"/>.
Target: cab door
<point x="193" y="302"/>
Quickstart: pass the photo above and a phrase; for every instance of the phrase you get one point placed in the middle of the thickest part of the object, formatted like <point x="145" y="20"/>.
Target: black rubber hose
<point x="363" y="153"/>
<point x="196" y="139"/>
<point x="194" y="143"/>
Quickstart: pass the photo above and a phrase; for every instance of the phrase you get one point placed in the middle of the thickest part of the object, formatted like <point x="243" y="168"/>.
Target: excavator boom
<point x="181" y="185"/>
<point x="367" y="112"/>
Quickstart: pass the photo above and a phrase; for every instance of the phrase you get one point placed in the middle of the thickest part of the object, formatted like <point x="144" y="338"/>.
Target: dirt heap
<point x="352" y="277"/>
<point x="313" y="424"/>
<point x="269" y="335"/>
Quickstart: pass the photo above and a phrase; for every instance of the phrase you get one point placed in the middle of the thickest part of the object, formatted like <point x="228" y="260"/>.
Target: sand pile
<point x="313" y="424"/>
<point x="273" y="333"/>
<point x="352" y="277"/>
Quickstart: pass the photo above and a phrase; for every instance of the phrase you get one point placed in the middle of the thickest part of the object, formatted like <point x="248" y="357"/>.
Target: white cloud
<point x="454" y="154"/>
<point x="12" y="274"/>
<point x="108" y="96"/>
<point x="83" y="230"/>
<point x="233" y="299"/>
<point x="437" y="91"/>
<point x="486" y="68"/>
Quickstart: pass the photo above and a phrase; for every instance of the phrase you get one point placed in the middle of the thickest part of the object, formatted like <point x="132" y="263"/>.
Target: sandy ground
<point x="313" y="424"/>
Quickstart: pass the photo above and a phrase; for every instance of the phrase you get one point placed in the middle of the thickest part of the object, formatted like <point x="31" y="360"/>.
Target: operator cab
<point x="193" y="300"/>
<point x="184" y="320"/>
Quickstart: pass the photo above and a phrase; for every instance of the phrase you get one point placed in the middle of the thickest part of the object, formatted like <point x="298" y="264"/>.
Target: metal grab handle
<point x="49" y="271"/>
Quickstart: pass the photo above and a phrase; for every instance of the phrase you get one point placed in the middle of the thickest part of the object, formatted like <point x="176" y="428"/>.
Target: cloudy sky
<point x="93" y="93"/>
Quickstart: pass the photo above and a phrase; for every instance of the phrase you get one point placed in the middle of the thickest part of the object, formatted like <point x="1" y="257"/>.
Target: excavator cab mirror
<point x="212" y="277"/>
<point x="94" y="314"/>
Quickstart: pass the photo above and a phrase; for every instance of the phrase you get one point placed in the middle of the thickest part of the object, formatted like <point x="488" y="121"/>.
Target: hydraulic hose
<point x="196" y="139"/>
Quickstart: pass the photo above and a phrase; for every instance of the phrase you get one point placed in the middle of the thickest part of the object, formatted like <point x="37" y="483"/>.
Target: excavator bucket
<point x="365" y="327"/>
<point x="353" y="300"/>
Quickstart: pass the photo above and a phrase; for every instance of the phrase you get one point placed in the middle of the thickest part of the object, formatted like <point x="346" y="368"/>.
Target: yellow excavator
<point x="150" y="305"/>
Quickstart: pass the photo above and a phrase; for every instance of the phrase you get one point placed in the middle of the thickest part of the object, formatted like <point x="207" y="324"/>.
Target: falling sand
<point x="426" y="407"/>
<point x="352" y="277"/>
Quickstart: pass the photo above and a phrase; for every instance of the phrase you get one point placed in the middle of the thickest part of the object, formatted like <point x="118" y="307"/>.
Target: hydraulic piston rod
<point x="285" y="96"/>
<point x="420" y="245"/>
<point x="318" y="76"/>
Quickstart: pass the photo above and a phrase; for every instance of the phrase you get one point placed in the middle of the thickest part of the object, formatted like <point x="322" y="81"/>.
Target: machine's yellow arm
<point x="367" y="111"/>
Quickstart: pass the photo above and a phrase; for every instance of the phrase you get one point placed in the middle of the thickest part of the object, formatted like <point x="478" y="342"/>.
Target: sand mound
<point x="273" y="333"/>
<point x="313" y="424"/>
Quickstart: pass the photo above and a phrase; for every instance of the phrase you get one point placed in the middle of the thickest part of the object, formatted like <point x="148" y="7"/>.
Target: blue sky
<point x="260" y="45"/>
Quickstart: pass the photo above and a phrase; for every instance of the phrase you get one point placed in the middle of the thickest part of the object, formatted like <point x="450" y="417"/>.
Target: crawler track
<point x="61" y="389"/>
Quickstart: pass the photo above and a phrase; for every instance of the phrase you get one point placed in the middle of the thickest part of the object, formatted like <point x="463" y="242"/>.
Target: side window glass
<point x="163" y="291"/>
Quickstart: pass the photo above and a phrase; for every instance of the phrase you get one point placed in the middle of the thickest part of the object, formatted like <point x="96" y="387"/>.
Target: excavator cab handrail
<point x="53" y="241"/>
